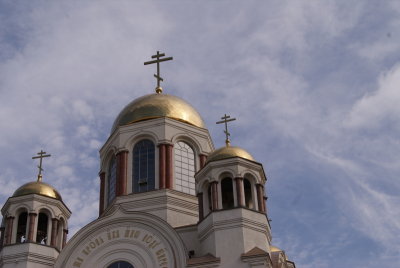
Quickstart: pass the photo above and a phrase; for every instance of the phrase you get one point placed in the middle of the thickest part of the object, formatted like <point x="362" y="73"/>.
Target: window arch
<point x="112" y="180"/>
<point x="143" y="166"/>
<point x="248" y="197"/>
<point x="184" y="168"/>
<point x="21" y="227"/>
<point x="227" y="193"/>
<point x="42" y="228"/>
<point x="120" y="264"/>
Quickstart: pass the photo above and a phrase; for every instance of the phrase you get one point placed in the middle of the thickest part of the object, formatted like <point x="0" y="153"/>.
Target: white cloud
<point x="380" y="108"/>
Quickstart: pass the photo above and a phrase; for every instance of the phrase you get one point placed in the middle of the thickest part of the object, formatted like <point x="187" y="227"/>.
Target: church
<point x="167" y="199"/>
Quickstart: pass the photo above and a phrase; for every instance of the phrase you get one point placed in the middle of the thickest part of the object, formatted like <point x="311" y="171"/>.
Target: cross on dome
<point x="158" y="60"/>
<point x="41" y="155"/>
<point x="225" y="119"/>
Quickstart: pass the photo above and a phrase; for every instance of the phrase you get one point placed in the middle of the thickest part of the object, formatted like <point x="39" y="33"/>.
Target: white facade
<point x="161" y="205"/>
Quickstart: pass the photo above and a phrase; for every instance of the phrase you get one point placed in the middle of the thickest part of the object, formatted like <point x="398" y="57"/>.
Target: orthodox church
<point x="167" y="198"/>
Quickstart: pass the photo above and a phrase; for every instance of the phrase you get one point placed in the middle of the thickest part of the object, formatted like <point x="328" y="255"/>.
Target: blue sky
<point x="313" y="85"/>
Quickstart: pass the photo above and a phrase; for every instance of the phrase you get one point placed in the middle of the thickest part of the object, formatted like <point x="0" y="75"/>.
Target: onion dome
<point x="229" y="152"/>
<point x="38" y="187"/>
<point x="156" y="106"/>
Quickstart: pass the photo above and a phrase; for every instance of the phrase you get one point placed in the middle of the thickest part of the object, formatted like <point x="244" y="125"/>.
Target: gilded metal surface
<point x="37" y="187"/>
<point x="229" y="152"/>
<point x="156" y="106"/>
<point x="275" y="249"/>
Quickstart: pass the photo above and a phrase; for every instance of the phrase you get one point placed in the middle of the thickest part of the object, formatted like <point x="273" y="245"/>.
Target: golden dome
<point x="275" y="249"/>
<point x="229" y="152"/>
<point x="37" y="187"/>
<point x="155" y="106"/>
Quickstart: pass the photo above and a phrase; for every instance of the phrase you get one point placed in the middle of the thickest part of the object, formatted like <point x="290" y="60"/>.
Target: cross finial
<point x="158" y="60"/>
<point x="225" y="120"/>
<point x="41" y="155"/>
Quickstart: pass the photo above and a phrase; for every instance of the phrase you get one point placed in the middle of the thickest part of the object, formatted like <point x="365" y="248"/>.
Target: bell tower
<point x="232" y="210"/>
<point x="35" y="225"/>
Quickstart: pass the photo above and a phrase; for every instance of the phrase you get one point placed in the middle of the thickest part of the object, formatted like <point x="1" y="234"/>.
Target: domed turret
<point x="155" y="106"/>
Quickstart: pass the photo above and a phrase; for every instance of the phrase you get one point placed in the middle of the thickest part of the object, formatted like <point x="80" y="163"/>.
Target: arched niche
<point x="21" y="225"/>
<point x="43" y="227"/>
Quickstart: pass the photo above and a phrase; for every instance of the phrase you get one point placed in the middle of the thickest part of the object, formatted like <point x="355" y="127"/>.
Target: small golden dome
<point x="37" y="187"/>
<point x="275" y="249"/>
<point x="155" y="106"/>
<point x="229" y="152"/>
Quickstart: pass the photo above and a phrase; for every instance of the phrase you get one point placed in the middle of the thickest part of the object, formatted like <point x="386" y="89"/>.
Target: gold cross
<point x="225" y="120"/>
<point x="158" y="60"/>
<point x="41" y="155"/>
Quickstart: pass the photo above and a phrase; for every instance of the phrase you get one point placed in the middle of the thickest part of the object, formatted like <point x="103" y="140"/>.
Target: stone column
<point x="203" y="159"/>
<point x="54" y="228"/>
<point x="31" y="227"/>
<point x="102" y="189"/>
<point x="201" y="207"/>
<point x="169" y="166"/>
<point x="9" y="229"/>
<point x="122" y="172"/>
<point x="214" y="195"/>
<point x="260" y="197"/>
<point x="2" y="230"/>
<point x="240" y="192"/>
<point x="65" y="234"/>
<point x="162" y="165"/>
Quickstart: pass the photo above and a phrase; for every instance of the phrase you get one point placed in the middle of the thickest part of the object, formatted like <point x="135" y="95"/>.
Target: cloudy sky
<point x="313" y="85"/>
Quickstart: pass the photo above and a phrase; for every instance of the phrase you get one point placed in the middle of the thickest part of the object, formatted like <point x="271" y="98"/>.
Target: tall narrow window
<point x="112" y="180"/>
<point x="227" y="193"/>
<point x="143" y="166"/>
<point x="41" y="236"/>
<point x="247" y="194"/>
<point x="21" y="228"/>
<point x="120" y="264"/>
<point x="184" y="168"/>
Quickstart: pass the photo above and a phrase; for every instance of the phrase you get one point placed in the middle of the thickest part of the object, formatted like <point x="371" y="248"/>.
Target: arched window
<point x="247" y="194"/>
<point x="143" y="166"/>
<point x="21" y="227"/>
<point x="227" y="193"/>
<point x="112" y="180"/>
<point x="120" y="264"/>
<point x="41" y="235"/>
<point x="184" y="168"/>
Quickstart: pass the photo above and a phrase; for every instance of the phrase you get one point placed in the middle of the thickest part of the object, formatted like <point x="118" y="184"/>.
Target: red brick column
<point x="9" y="229"/>
<point x="239" y="192"/>
<point x="203" y="159"/>
<point x="65" y="234"/>
<point x="214" y="195"/>
<point x="102" y="189"/>
<point x="201" y="207"/>
<point x="54" y="228"/>
<point x="162" y="166"/>
<point x="31" y="228"/>
<point x="2" y="230"/>
<point x="169" y="166"/>
<point x="260" y="197"/>
<point x="122" y="172"/>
